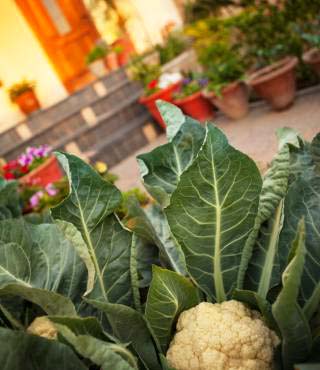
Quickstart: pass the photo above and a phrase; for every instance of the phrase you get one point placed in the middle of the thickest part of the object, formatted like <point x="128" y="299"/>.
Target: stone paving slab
<point x="253" y="135"/>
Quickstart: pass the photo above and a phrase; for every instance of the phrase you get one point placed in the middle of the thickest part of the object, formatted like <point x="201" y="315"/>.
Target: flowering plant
<point x="164" y="81"/>
<point x="191" y="84"/>
<point x="32" y="158"/>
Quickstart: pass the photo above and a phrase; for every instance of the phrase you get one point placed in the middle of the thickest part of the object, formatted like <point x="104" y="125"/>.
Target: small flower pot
<point x="127" y="49"/>
<point x="46" y="173"/>
<point x="150" y="101"/>
<point x="27" y="102"/>
<point x="98" y="68"/>
<point x="233" y="101"/>
<point x="195" y="106"/>
<point x="276" y="83"/>
<point x="111" y="61"/>
<point x="312" y="57"/>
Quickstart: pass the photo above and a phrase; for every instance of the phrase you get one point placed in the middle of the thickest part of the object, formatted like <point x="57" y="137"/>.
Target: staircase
<point x="103" y="121"/>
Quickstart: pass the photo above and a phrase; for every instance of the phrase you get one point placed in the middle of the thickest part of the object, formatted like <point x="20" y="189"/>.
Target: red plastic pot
<point x="127" y="49"/>
<point x="276" y="83"/>
<point x="150" y="101"/>
<point x="43" y="175"/>
<point x="195" y="106"/>
<point x="111" y="61"/>
<point x="27" y="102"/>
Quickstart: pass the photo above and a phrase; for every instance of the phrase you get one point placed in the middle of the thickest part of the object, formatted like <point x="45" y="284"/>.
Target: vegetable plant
<point x="235" y="276"/>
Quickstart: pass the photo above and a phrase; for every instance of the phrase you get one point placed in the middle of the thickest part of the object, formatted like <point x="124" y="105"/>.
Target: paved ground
<point x="254" y="134"/>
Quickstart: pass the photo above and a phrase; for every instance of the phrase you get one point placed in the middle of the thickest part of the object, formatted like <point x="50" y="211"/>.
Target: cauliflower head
<point x="226" y="336"/>
<point x="43" y="327"/>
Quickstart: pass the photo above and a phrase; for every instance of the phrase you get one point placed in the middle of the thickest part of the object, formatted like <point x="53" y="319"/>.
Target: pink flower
<point x="35" y="199"/>
<point x="25" y="159"/>
<point x="51" y="190"/>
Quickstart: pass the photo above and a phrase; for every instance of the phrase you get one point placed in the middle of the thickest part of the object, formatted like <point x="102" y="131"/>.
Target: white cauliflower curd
<point x="226" y="336"/>
<point x="43" y="327"/>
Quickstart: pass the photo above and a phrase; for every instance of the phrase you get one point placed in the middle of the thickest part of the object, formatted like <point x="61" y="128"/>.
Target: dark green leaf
<point x="10" y="206"/>
<point x="129" y="326"/>
<point x="21" y="351"/>
<point x="162" y="167"/>
<point x="212" y="213"/>
<point x="169" y="295"/>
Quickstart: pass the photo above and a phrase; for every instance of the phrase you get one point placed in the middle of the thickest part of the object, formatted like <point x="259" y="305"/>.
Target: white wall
<point x="21" y="56"/>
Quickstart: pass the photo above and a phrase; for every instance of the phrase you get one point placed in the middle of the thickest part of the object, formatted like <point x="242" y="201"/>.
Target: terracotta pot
<point x="127" y="49"/>
<point x="111" y="61"/>
<point x="150" y="101"/>
<point x="43" y="175"/>
<point x="27" y="102"/>
<point x="312" y="57"/>
<point x="233" y="101"/>
<point x="195" y="106"/>
<point x="276" y="83"/>
<point x="98" y="68"/>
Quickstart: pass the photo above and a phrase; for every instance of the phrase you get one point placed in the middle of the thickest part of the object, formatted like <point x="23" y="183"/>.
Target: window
<point x="56" y="14"/>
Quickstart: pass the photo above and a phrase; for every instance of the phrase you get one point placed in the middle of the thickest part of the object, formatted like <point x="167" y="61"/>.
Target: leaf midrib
<point x="90" y="246"/>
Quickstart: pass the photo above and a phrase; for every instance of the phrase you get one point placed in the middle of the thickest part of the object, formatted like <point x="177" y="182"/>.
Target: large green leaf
<point x="10" y="204"/>
<point x="162" y="167"/>
<point x="151" y="224"/>
<point x="264" y="267"/>
<point x="21" y="351"/>
<point x="37" y="262"/>
<point x="89" y="207"/>
<point x="303" y="200"/>
<point x="129" y="326"/>
<point x="212" y="213"/>
<point x="293" y="325"/>
<point x="315" y="151"/>
<point x="168" y="296"/>
<point x="107" y="355"/>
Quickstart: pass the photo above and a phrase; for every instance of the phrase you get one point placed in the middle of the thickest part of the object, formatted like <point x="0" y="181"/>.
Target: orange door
<point x="66" y="33"/>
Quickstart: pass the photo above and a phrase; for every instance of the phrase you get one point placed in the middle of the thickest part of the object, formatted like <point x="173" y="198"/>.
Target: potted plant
<point x="156" y="86"/>
<point x="124" y="48"/>
<point x="226" y="88"/>
<point x="23" y="94"/>
<point x="36" y="166"/>
<point x="190" y="98"/>
<point x="312" y="56"/>
<point x="96" y="61"/>
<point x="111" y="59"/>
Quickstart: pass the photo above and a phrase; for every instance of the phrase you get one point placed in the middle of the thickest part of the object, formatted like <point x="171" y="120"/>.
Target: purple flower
<point x="51" y="190"/>
<point x="35" y="199"/>
<point x="25" y="159"/>
<point x="186" y="81"/>
<point x="41" y="151"/>
<point x="203" y="82"/>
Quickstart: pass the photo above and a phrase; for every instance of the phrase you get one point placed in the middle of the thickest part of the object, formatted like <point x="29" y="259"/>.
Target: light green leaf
<point x="303" y="200"/>
<point x="287" y="135"/>
<point x="10" y="206"/>
<point x="21" y="351"/>
<point x="129" y="326"/>
<point x="151" y="224"/>
<point x="72" y="234"/>
<point x="293" y="325"/>
<point x="39" y="264"/>
<point x="162" y="167"/>
<point x="262" y="245"/>
<point x="89" y="207"/>
<point x="104" y="354"/>
<point x="212" y="213"/>
<point x="169" y="295"/>
<point x="172" y="116"/>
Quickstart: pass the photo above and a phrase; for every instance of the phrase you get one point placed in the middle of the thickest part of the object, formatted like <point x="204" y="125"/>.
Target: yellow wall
<point x="21" y="56"/>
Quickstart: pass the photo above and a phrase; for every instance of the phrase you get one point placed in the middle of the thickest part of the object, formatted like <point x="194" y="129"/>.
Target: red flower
<point x="9" y="176"/>
<point x="12" y="165"/>
<point x="153" y="84"/>
<point x="24" y="169"/>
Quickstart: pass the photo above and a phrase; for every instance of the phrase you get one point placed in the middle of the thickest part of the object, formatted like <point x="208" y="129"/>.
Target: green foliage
<point x="19" y="88"/>
<point x="174" y="45"/>
<point x="219" y="231"/>
<point x="98" y="52"/>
